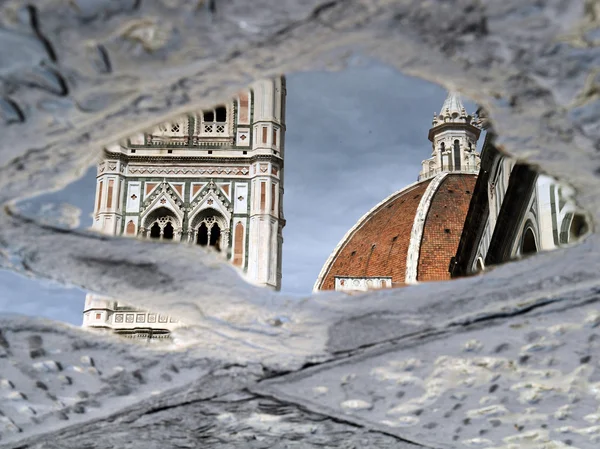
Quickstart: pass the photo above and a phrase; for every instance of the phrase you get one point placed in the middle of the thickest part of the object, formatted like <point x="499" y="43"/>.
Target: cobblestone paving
<point x="530" y="379"/>
<point x="233" y="421"/>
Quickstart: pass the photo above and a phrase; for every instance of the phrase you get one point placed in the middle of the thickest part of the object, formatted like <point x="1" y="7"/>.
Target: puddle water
<point x="375" y="195"/>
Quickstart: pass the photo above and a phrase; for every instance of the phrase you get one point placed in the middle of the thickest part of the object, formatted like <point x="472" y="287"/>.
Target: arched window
<point x="215" y="237"/>
<point x="528" y="245"/>
<point x="168" y="231"/>
<point x="209" y="225"/>
<point x="202" y="238"/>
<point x="456" y="155"/>
<point x="210" y="236"/>
<point x="161" y="224"/>
<point x="155" y="231"/>
<point x="578" y="228"/>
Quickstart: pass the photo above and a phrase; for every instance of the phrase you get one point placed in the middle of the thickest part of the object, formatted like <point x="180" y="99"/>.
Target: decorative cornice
<point x="230" y="171"/>
<point x="453" y="125"/>
<point x="213" y="159"/>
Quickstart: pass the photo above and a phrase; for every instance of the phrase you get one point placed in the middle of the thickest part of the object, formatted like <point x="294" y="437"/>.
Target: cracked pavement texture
<point x="255" y="368"/>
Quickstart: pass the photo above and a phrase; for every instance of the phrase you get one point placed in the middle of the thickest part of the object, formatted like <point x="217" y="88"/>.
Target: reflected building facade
<point x="467" y="211"/>
<point x="515" y="211"/>
<point x="213" y="179"/>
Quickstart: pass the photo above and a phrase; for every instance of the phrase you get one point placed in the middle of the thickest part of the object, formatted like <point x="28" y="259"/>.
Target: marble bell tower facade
<point x="214" y="179"/>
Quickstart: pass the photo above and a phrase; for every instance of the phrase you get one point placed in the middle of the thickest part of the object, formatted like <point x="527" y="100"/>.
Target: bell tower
<point x="212" y="178"/>
<point x="453" y="135"/>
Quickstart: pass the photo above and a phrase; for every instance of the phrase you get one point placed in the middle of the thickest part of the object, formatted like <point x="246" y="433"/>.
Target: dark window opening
<point x="169" y="151"/>
<point x="210" y="152"/>
<point x="202" y="238"/>
<point x="443" y="147"/>
<point x="155" y="231"/>
<point x="528" y="246"/>
<point x="456" y="155"/>
<point x="447" y="231"/>
<point x="209" y="116"/>
<point x="168" y="232"/>
<point x="133" y="151"/>
<point x="221" y="114"/>
<point x="578" y="227"/>
<point x="215" y="237"/>
<point x="245" y="152"/>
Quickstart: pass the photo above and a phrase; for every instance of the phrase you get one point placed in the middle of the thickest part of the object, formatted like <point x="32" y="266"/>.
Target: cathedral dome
<point x="410" y="236"/>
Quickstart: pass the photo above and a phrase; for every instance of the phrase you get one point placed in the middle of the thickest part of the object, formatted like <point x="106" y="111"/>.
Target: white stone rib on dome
<point x="414" y="248"/>
<point x="356" y="227"/>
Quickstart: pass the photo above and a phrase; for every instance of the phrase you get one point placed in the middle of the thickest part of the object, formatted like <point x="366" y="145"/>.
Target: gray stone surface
<point x="231" y="421"/>
<point x="530" y="378"/>
<point x="76" y="75"/>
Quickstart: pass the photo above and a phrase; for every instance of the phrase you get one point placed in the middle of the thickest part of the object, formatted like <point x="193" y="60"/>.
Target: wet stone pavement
<point x="533" y="378"/>
<point x="505" y="360"/>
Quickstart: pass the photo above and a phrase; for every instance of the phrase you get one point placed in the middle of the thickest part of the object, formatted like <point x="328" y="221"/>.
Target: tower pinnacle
<point x="453" y="104"/>
<point x="453" y="134"/>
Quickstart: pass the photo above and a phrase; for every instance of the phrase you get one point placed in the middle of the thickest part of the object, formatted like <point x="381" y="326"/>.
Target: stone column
<point x="225" y="240"/>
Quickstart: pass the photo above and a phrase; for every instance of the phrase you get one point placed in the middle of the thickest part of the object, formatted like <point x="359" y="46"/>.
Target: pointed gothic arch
<point x="163" y="224"/>
<point x="209" y="235"/>
<point x="573" y="227"/>
<point x="209" y="228"/>
<point x="528" y="243"/>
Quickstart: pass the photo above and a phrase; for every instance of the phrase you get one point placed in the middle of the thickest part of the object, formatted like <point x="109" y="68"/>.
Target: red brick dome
<point x="410" y="236"/>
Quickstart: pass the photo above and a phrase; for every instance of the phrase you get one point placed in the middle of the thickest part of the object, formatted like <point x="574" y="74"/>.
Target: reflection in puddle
<point x="466" y="211"/>
<point x="515" y="211"/>
<point x="412" y="235"/>
<point x="211" y="179"/>
<point x="214" y="179"/>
